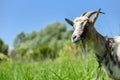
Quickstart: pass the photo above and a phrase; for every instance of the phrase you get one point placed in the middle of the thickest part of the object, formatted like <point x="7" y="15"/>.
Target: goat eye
<point x="82" y="23"/>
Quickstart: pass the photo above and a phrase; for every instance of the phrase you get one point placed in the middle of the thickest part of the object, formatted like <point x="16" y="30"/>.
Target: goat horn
<point x="89" y="14"/>
<point x="83" y="14"/>
<point x="96" y="16"/>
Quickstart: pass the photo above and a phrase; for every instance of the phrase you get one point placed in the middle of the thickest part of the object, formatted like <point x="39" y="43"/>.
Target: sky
<point x="28" y="15"/>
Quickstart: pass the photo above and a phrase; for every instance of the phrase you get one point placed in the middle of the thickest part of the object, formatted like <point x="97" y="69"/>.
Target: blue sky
<point x="29" y="15"/>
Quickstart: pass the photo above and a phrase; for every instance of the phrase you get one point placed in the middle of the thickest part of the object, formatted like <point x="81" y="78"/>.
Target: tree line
<point x="41" y="45"/>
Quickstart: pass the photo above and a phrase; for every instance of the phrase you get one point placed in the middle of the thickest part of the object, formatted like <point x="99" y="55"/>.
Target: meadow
<point x="66" y="68"/>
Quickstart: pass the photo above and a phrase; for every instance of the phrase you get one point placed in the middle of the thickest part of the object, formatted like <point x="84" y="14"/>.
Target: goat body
<point x="111" y="63"/>
<point x="107" y="54"/>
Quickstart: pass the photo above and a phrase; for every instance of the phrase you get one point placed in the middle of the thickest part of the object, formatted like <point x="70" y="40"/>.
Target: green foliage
<point x="3" y="57"/>
<point x="3" y="47"/>
<point x="41" y="53"/>
<point x="45" y="52"/>
<point x="69" y="69"/>
<point x="52" y="32"/>
<point x="31" y="36"/>
<point x="22" y="49"/>
<point x="19" y="39"/>
<point x="45" y="43"/>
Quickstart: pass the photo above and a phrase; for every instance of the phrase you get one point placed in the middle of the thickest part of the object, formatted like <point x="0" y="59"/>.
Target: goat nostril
<point x="74" y="37"/>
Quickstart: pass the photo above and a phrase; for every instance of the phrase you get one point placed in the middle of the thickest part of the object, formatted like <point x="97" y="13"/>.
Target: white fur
<point x="116" y="46"/>
<point x="114" y="68"/>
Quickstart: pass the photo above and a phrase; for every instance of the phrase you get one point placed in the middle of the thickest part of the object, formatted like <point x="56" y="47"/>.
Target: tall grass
<point x="59" y="69"/>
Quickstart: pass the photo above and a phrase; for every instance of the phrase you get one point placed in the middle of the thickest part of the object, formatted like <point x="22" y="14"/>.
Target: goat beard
<point x="83" y="49"/>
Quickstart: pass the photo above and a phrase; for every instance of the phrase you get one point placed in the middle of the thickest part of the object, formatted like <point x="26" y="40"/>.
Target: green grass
<point x="59" y="69"/>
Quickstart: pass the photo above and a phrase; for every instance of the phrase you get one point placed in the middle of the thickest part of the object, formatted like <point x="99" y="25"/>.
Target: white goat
<point x="106" y="50"/>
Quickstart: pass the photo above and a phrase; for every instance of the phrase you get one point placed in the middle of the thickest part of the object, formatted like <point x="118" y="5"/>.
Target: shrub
<point x="41" y="53"/>
<point x="3" y="57"/>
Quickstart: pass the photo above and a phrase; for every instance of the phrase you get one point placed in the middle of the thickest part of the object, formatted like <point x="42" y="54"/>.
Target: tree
<point x="48" y="41"/>
<point x="3" y="47"/>
<point x="31" y="36"/>
<point x="19" y="39"/>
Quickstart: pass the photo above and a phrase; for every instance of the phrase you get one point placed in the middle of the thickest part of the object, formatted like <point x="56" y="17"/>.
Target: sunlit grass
<point x="59" y="69"/>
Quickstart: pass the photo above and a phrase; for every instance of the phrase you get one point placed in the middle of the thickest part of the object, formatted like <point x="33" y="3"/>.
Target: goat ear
<point x="69" y="21"/>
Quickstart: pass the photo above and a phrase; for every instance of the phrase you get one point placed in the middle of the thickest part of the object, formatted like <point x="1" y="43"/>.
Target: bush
<point x="41" y="53"/>
<point x="3" y="57"/>
<point x="44" y="52"/>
